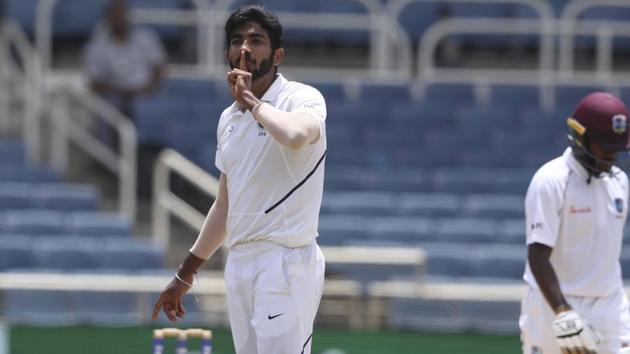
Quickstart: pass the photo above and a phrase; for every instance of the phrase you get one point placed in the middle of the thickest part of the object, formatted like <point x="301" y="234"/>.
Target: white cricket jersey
<point x="583" y="223"/>
<point x="274" y="192"/>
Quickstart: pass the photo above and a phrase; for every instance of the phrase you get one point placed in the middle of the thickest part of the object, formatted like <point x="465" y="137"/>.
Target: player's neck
<point x="260" y="86"/>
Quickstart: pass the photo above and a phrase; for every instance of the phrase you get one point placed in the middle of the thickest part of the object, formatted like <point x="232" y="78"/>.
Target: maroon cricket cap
<point x="605" y="118"/>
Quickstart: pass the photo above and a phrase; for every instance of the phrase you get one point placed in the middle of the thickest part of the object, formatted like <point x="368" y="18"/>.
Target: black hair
<point x="257" y="14"/>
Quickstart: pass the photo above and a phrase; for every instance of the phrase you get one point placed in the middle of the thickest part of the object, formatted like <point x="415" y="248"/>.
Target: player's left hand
<point x="574" y="334"/>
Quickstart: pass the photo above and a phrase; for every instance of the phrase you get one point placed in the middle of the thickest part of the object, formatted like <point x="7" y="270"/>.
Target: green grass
<point x="137" y="340"/>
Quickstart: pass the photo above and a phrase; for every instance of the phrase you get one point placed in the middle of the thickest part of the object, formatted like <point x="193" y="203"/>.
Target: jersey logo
<point x="619" y="205"/>
<point x="261" y="130"/>
<point x="270" y="317"/>
<point x="536" y="350"/>
<point x="619" y="123"/>
<point x="535" y="226"/>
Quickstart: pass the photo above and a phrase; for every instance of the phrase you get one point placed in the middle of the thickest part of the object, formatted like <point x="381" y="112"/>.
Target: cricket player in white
<point x="271" y="148"/>
<point x="576" y="208"/>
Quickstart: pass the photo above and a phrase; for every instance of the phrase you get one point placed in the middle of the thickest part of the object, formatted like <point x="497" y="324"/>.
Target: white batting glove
<point x="574" y="334"/>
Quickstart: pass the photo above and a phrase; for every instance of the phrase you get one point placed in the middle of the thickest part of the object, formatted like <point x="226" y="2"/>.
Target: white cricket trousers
<point x="273" y="293"/>
<point x="608" y="315"/>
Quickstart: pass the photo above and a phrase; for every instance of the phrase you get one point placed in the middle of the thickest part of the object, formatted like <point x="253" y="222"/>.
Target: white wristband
<point x="182" y="280"/>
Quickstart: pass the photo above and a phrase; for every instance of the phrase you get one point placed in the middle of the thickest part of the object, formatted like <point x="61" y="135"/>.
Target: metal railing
<point x="427" y="69"/>
<point x="30" y="76"/>
<point x="166" y="203"/>
<point x="66" y="129"/>
<point x="602" y="31"/>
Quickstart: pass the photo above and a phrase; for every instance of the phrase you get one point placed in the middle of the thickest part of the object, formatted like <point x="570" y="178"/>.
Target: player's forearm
<point x="538" y="257"/>
<point x="293" y="130"/>
<point x="212" y="232"/>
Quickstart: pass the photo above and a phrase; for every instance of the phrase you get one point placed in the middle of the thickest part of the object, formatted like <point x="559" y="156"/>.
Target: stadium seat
<point x="15" y="196"/>
<point x="98" y="224"/>
<point x="102" y="308"/>
<point x="33" y="222"/>
<point x="39" y="307"/>
<point x="15" y="252"/>
<point x="65" y="197"/>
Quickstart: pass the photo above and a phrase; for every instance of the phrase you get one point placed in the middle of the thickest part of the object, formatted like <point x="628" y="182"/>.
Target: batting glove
<point x="574" y="334"/>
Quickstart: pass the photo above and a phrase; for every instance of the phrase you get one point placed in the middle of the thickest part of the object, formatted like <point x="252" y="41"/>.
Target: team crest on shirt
<point x="261" y="129"/>
<point x="619" y="123"/>
<point x="536" y="350"/>
<point x="619" y="205"/>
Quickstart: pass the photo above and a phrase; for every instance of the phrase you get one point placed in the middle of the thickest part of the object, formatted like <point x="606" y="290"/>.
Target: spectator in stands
<point x="123" y="62"/>
<point x="576" y="209"/>
<point x="271" y="145"/>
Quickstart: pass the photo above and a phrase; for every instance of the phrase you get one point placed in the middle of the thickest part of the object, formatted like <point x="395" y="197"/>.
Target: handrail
<point x="165" y="202"/>
<point x="603" y="30"/>
<point x="441" y="29"/>
<point x="545" y="11"/>
<point x="122" y="164"/>
<point x="32" y="94"/>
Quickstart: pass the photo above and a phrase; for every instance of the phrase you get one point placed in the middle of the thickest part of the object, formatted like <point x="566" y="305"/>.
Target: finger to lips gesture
<point x="240" y="80"/>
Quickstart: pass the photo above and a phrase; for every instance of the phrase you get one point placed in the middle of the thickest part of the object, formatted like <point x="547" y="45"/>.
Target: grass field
<point x="137" y="340"/>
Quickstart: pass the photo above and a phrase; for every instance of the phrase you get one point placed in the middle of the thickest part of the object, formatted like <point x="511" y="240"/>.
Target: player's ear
<point x="278" y="55"/>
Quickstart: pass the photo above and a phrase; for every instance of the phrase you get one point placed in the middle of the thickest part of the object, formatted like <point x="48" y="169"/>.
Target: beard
<point x="265" y="66"/>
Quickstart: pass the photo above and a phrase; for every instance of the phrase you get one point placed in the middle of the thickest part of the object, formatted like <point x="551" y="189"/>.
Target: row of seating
<point x="372" y="203"/>
<point x="460" y="180"/>
<point x="53" y="196"/>
<point x="78" y="252"/>
<point x="341" y="229"/>
<point x="55" y="222"/>
<point x="47" y="307"/>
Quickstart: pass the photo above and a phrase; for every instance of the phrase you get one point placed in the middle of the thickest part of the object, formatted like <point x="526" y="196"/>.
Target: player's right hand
<point x="171" y="301"/>
<point x="574" y="334"/>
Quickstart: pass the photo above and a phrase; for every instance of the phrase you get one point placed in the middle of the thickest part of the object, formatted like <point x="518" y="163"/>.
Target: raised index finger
<point x="243" y="65"/>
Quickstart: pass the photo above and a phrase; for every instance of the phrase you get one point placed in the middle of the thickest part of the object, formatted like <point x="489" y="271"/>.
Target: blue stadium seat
<point x="332" y="91"/>
<point x="449" y="95"/>
<point x="42" y="307"/>
<point x="27" y="174"/>
<point x="98" y="224"/>
<point x="15" y="253"/>
<point x="568" y="97"/>
<point x="385" y="93"/>
<point x="12" y="152"/>
<point x="494" y="205"/>
<point x="106" y="307"/>
<point x="126" y="255"/>
<point x="515" y="96"/>
<point x="403" y="230"/>
<point x="66" y="197"/>
<point x="15" y="195"/>
<point x="337" y="230"/>
<point x="66" y="255"/>
<point x="429" y="204"/>
<point x="33" y="222"/>
<point x="464" y="229"/>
